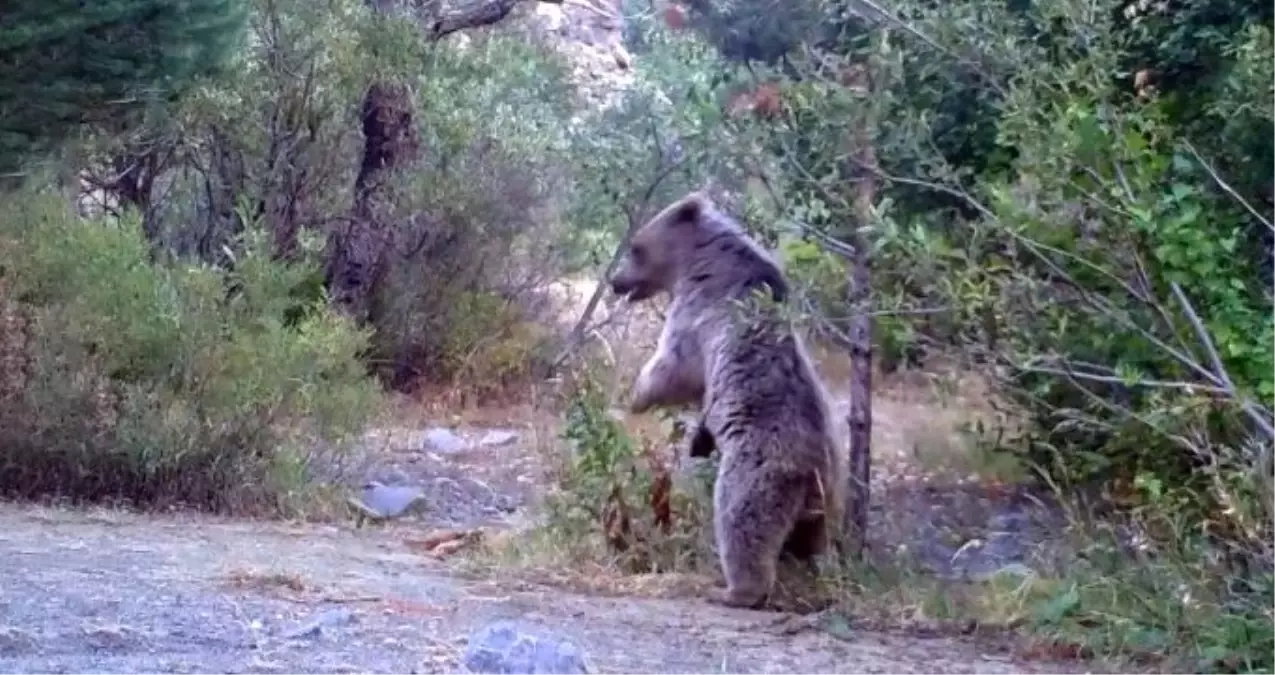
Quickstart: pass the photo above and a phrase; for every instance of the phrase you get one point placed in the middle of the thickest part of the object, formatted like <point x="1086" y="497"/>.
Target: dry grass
<point x="880" y="596"/>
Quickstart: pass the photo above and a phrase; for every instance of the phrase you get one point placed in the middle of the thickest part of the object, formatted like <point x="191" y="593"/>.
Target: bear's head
<point x="659" y="248"/>
<point x="691" y="238"/>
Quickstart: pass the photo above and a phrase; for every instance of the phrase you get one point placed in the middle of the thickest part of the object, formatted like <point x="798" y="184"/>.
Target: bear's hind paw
<point x="728" y="598"/>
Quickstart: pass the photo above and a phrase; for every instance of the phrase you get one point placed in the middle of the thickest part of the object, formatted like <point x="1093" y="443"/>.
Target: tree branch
<point x="1226" y="187"/>
<point x="474" y="16"/>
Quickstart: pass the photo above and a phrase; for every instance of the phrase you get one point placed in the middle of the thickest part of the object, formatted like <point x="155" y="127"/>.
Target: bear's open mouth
<point x="639" y="293"/>
<point x="632" y="292"/>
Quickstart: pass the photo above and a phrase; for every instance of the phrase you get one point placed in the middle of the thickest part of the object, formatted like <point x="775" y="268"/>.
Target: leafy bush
<point x="1095" y="267"/>
<point x="481" y="232"/>
<point x="617" y="489"/>
<point x="1133" y="332"/>
<point x="168" y="382"/>
<point x="1156" y="603"/>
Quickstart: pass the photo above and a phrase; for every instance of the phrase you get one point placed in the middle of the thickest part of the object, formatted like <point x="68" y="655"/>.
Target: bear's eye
<point x="639" y="255"/>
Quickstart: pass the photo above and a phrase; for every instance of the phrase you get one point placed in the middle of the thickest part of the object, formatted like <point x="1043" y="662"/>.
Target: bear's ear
<point x="690" y="211"/>
<point x="774" y="278"/>
<point x="767" y="273"/>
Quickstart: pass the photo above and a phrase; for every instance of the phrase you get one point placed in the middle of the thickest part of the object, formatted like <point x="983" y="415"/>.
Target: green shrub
<point x="1168" y="604"/>
<point x="617" y="492"/>
<point x="480" y="224"/>
<point x="1130" y="304"/>
<point x="168" y="382"/>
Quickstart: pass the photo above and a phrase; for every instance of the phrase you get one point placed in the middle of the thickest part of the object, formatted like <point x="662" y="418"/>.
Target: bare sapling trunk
<point x="859" y="295"/>
<point x="576" y="337"/>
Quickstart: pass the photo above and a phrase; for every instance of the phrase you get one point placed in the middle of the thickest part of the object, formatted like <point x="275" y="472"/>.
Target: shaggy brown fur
<point x="780" y="479"/>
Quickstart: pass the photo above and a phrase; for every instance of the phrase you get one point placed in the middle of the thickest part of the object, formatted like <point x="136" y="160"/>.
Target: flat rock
<point x="16" y="641"/>
<point x="503" y="647"/>
<point x="394" y="477"/>
<point x="444" y="440"/>
<point x="391" y="501"/>
<point x="315" y="626"/>
<point x="497" y="437"/>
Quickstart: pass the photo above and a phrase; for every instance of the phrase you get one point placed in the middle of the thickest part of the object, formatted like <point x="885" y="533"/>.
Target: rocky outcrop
<point x="590" y="33"/>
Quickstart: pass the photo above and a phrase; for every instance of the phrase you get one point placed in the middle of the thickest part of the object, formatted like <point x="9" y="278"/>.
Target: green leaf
<point x="1058" y="607"/>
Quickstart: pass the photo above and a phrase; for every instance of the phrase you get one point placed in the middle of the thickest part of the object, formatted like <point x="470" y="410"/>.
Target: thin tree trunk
<point x="860" y="330"/>
<point x="669" y="162"/>
<point x="576" y="336"/>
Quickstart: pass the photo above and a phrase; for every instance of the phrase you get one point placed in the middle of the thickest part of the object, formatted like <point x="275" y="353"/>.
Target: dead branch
<point x="635" y="215"/>
<point x="1259" y="416"/>
<point x="475" y="16"/>
<point x="1226" y="187"/>
<point x="1071" y="371"/>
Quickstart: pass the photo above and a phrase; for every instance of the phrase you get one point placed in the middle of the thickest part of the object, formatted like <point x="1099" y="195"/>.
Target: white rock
<point x="444" y="440"/>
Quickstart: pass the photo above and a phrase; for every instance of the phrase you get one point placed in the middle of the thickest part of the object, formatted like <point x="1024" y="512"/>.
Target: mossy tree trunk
<point x="359" y="247"/>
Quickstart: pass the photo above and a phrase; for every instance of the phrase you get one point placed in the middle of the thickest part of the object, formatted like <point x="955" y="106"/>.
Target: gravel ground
<point x="110" y="591"/>
<point x="106" y="591"/>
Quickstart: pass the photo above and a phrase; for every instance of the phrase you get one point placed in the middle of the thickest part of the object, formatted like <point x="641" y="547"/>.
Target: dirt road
<point x="104" y="591"/>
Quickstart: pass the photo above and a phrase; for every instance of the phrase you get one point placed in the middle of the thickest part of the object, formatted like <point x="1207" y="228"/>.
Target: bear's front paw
<point x="639" y="402"/>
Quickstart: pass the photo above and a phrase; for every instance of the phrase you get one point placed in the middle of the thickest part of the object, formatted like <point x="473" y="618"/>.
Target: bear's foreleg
<point x="673" y="377"/>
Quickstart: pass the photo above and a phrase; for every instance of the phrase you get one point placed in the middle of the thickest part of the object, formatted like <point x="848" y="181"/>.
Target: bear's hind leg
<point x="751" y="530"/>
<point x="808" y="539"/>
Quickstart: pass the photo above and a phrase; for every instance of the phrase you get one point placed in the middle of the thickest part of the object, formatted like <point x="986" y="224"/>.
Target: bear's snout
<point x="632" y="286"/>
<point x="620" y="286"/>
<point x="636" y="290"/>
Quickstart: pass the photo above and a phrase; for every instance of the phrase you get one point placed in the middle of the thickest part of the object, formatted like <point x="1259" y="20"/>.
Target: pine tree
<point x="66" y="63"/>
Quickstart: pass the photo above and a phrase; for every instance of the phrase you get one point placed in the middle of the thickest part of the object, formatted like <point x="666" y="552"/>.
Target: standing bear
<point x="780" y="482"/>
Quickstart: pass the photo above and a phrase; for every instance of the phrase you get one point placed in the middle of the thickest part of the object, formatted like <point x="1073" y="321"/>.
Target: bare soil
<point x="108" y="591"/>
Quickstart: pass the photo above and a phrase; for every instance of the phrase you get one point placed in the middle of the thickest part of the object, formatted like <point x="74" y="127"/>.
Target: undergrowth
<point x="164" y="382"/>
<point x="620" y="489"/>
<point x="1121" y="587"/>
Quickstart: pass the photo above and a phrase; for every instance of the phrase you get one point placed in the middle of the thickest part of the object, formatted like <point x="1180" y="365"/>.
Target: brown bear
<point x="780" y="482"/>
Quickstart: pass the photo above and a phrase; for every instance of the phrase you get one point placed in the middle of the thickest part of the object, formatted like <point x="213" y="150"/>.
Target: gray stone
<point x="315" y="626"/>
<point x="1012" y="521"/>
<point x="1011" y="570"/>
<point x="390" y="477"/>
<point x="15" y="641"/>
<point x="444" y="440"/>
<point x="552" y="17"/>
<point x="112" y="637"/>
<point x="502" y="647"/>
<point x="982" y="559"/>
<point x="1005" y="547"/>
<point x="391" y="501"/>
<point x="497" y="437"/>
<point x="385" y="502"/>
